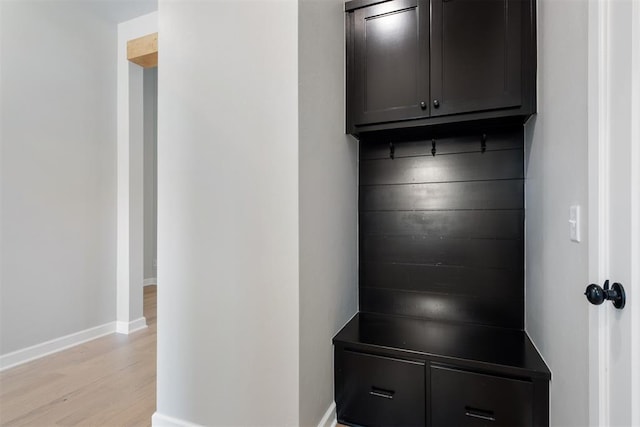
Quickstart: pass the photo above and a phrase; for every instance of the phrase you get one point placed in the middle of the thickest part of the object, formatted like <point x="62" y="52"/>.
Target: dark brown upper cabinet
<point x="417" y="63"/>
<point x="390" y="71"/>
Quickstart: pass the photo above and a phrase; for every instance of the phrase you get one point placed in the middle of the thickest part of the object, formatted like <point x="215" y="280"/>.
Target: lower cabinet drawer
<point x="382" y="391"/>
<point x="460" y="398"/>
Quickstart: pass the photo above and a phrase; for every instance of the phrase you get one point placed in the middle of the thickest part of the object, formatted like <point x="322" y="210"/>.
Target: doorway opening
<point x="150" y="183"/>
<point x="136" y="169"/>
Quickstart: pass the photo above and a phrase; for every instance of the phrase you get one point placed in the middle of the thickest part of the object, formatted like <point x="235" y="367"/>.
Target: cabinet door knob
<point x="423" y="105"/>
<point x="436" y="103"/>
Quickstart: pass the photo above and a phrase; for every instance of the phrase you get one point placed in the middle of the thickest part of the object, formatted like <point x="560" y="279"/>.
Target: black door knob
<point x="423" y="105"/>
<point x="597" y="295"/>
<point x="436" y="103"/>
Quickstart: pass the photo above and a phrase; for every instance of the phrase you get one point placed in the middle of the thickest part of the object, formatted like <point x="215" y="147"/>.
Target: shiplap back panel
<point x="442" y="236"/>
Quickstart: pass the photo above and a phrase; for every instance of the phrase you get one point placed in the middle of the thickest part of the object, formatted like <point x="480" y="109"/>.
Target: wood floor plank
<point x="110" y="381"/>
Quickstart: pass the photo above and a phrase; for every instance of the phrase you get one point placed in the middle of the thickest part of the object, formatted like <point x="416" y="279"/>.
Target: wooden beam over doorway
<point x="144" y="50"/>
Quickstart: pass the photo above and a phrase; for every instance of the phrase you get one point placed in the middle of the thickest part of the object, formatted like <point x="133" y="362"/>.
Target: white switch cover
<point x="574" y="223"/>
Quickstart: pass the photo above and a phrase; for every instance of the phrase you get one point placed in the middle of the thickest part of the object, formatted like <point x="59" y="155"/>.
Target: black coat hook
<point x="433" y="147"/>
<point x="483" y="143"/>
<point x="392" y="151"/>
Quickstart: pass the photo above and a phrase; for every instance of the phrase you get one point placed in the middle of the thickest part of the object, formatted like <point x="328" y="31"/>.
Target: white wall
<point x="228" y="212"/>
<point x="57" y="176"/>
<point x="556" y="178"/>
<point x="150" y="135"/>
<point x="328" y="202"/>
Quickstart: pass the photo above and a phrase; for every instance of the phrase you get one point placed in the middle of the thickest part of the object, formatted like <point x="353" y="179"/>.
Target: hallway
<point x="110" y="381"/>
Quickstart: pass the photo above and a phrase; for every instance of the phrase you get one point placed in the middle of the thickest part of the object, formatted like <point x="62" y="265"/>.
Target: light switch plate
<point x="574" y="223"/>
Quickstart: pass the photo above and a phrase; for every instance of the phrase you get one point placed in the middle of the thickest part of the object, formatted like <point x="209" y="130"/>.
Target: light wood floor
<point x="110" y="381"/>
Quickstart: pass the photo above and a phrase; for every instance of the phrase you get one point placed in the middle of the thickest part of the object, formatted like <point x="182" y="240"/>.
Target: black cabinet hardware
<point x="423" y="105"/>
<point x="597" y="295"/>
<point x="479" y="413"/>
<point x="436" y="103"/>
<point x="380" y="392"/>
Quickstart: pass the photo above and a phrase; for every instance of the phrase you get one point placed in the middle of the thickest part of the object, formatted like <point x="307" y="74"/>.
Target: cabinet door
<point x="466" y="399"/>
<point x="476" y="55"/>
<point x="390" y="79"/>
<point x="381" y="391"/>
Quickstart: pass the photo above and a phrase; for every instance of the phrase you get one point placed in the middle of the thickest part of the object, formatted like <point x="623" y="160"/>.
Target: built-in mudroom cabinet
<point x="437" y="94"/>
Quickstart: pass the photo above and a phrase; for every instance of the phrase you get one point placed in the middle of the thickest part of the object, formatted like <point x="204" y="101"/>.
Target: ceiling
<point x="122" y="10"/>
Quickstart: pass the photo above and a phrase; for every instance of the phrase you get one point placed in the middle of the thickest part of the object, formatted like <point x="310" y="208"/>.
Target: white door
<point x="614" y="209"/>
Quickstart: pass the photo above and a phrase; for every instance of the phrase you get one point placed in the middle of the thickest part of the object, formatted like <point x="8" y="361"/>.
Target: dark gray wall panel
<point x="493" y="310"/>
<point x="502" y="224"/>
<point x="442" y="236"/>
<point x="378" y="148"/>
<point x="507" y="194"/>
<point x="491" y="165"/>
<point x="437" y="251"/>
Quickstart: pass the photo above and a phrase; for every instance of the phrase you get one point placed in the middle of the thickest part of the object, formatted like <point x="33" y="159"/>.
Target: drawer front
<point x="460" y="398"/>
<point x="381" y="391"/>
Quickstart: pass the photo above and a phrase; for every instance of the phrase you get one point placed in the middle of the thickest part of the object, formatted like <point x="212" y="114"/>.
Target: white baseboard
<point x="37" y="351"/>
<point x="131" y="327"/>
<point x="150" y="281"/>
<point x="160" y="420"/>
<point x="329" y="418"/>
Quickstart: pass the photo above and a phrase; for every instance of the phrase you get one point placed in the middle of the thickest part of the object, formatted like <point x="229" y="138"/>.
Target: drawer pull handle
<point x="380" y="392"/>
<point x="479" y="413"/>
